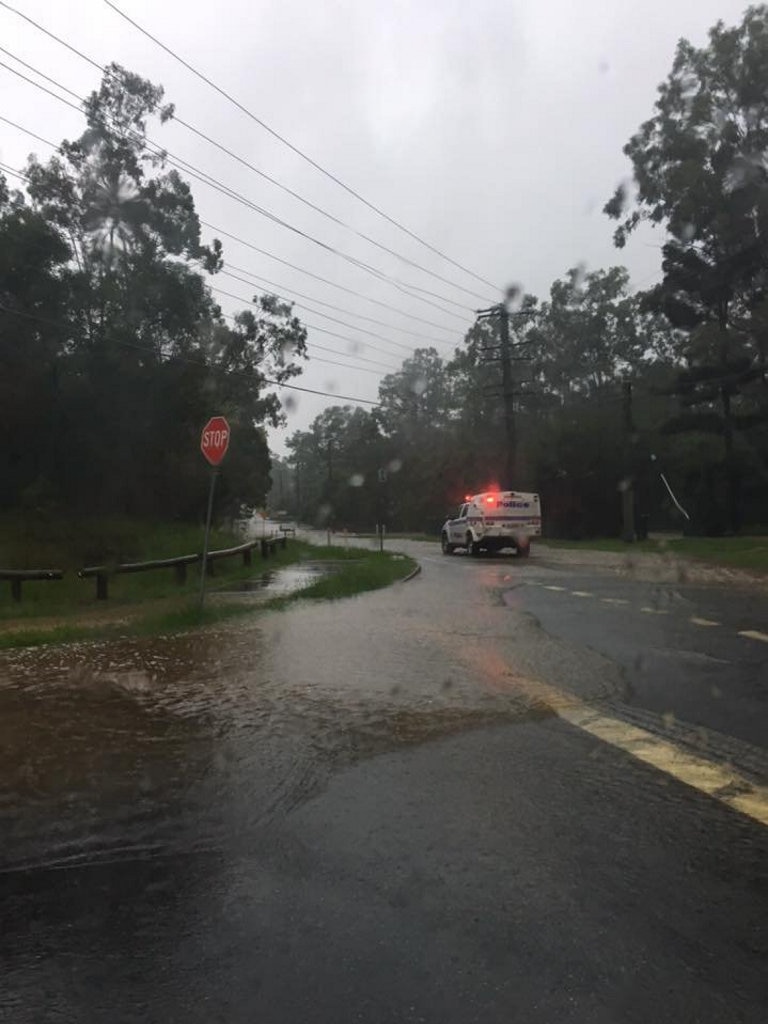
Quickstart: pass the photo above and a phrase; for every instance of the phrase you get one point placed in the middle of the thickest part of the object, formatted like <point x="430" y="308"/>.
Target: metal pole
<point x="207" y="536"/>
<point x="628" y="487"/>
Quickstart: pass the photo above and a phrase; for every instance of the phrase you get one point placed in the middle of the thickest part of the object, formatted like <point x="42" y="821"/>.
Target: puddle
<point x="279" y="582"/>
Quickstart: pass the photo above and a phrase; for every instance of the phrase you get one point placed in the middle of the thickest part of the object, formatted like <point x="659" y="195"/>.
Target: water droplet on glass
<point x="513" y="296"/>
<point x="356" y="480"/>
<point x="419" y="385"/>
<point x="686" y="234"/>
<point x="290" y="403"/>
<point x="578" y="274"/>
<point x="689" y="85"/>
<point x="395" y="465"/>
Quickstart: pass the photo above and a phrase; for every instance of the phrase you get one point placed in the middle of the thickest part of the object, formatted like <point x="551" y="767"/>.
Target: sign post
<point x="214" y="442"/>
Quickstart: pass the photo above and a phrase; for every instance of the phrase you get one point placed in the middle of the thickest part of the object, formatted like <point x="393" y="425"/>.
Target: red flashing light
<point x="467" y="497"/>
<point x="490" y="499"/>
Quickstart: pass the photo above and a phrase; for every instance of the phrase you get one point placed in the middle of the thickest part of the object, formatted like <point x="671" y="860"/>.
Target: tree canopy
<point x="113" y="353"/>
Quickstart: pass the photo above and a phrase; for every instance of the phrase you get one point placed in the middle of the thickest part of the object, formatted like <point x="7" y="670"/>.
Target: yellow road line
<point x="715" y="779"/>
<point x="722" y="783"/>
<point x="702" y="622"/>
<point x="754" y="634"/>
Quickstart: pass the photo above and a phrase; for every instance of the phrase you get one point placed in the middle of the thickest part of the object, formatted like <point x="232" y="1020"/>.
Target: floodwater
<point x="142" y="747"/>
<point x="279" y="582"/>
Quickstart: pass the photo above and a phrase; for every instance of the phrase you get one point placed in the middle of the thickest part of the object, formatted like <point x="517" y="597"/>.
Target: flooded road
<point x="255" y="822"/>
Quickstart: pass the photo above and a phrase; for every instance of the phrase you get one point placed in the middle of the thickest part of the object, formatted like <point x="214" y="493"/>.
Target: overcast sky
<point x="493" y="129"/>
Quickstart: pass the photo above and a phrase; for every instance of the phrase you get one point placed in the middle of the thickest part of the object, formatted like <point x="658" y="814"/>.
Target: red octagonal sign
<point x="214" y="440"/>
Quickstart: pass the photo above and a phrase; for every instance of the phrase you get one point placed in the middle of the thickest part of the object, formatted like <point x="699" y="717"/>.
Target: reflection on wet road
<point x="195" y="830"/>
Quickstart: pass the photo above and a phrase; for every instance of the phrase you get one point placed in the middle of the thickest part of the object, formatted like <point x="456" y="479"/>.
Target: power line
<point x="332" y="362"/>
<point x="252" y="167"/>
<point x="339" y="309"/>
<point x="313" y="327"/>
<point x="295" y="149"/>
<point x="264" y="252"/>
<point x="317" y="277"/>
<point x="249" y="302"/>
<point x="198" y="362"/>
<point x="350" y="355"/>
<point x="206" y="179"/>
<point x="327" y="316"/>
<point x="9" y="170"/>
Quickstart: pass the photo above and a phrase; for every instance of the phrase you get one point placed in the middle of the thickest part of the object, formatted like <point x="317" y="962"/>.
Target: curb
<point x="413" y="573"/>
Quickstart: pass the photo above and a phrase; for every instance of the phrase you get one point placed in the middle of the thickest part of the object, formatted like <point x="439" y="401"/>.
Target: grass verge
<point x="748" y="553"/>
<point x="362" y="572"/>
<point x="70" y="546"/>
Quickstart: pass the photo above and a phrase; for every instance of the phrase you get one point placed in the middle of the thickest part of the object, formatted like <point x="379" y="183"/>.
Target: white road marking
<point x="653" y="611"/>
<point x="614" y="600"/>
<point x="581" y="593"/>
<point x="551" y="587"/>
<point x="702" y="622"/>
<point x="754" y="634"/>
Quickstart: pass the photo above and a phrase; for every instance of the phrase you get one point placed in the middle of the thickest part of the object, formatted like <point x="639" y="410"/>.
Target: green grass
<point x="365" y="571"/>
<point x="72" y="545"/>
<point x="750" y="553"/>
<point x="179" y="612"/>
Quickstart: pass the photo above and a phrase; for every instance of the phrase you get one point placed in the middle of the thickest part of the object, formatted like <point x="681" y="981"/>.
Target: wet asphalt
<point x="368" y="811"/>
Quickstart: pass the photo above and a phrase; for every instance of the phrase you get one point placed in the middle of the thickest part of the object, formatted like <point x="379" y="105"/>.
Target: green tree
<point x="33" y="306"/>
<point x="700" y="171"/>
<point x="144" y="354"/>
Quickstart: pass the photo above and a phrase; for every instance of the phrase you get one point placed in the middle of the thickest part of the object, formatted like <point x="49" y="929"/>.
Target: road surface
<point x="507" y="790"/>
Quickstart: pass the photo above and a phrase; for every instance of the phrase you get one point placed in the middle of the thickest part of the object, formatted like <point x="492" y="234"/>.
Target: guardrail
<point x="18" y="576"/>
<point x="102" y="573"/>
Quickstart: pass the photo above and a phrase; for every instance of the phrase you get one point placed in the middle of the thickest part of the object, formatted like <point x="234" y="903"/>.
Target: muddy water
<point x="278" y="582"/>
<point x="147" y="785"/>
<point x="142" y="747"/>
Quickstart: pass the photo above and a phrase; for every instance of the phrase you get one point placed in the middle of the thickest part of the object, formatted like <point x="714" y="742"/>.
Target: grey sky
<point x="493" y="129"/>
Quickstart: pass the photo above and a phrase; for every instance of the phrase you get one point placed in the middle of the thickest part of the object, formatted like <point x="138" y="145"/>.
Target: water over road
<point x="503" y="791"/>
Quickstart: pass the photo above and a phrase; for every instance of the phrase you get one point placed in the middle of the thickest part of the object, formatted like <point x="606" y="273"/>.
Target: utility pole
<point x="508" y="397"/>
<point x="507" y="386"/>
<point x="627" y="485"/>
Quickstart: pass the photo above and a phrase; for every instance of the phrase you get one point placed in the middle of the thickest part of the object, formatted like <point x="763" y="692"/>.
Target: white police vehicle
<point x="492" y="521"/>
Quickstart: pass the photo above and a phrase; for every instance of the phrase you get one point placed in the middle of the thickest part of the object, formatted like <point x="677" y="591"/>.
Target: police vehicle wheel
<point x="447" y="548"/>
<point x="473" y="549"/>
<point x="523" y="551"/>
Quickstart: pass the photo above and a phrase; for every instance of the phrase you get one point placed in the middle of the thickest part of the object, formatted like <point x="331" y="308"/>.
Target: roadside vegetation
<point x="73" y="544"/>
<point x="114" y="352"/>
<point x="152" y="602"/>
<point x="747" y="553"/>
<point x="613" y="386"/>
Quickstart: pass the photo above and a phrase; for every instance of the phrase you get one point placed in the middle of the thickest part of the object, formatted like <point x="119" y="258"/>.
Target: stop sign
<point x="214" y="440"/>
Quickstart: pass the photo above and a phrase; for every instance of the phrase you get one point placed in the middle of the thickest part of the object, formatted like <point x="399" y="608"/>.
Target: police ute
<point x="492" y="521"/>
